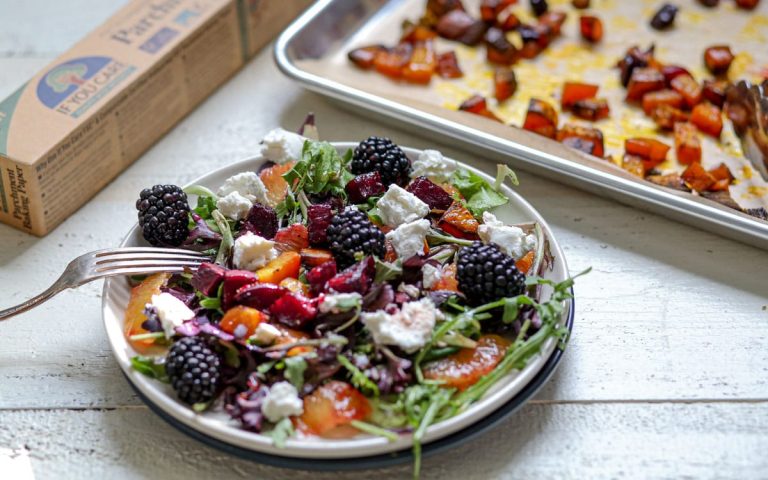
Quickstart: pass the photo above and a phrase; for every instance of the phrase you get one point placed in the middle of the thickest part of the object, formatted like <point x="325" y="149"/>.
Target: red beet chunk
<point x="319" y="217"/>
<point x="261" y="220"/>
<point x="448" y="65"/>
<point x="430" y="193"/>
<point x="364" y="186"/>
<point x="672" y="71"/>
<point x="591" y="109"/>
<point x="581" y="144"/>
<point x="207" y="278"/>
<point x="718" y="59"/>
<point x="234" y="280"/>
<point x="319" y="275"/>
<point x="455" y="24"/>
<point x="499" y="50"/>
<point x="357" y="278"/>
<point x="714" y="91"/>
<point x="293" y="310"/>
<point x="259" y="295"/>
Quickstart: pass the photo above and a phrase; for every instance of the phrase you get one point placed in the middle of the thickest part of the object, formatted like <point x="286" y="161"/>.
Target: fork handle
<point x="34" y="301"/>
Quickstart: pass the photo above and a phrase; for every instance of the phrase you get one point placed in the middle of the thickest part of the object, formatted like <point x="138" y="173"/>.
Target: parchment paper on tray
<point x="569" y="58"/>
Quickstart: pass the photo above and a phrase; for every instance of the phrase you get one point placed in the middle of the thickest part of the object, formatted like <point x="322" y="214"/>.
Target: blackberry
<point x="163" y="215"/>
<point x="193" y="369"/>
<point x="487" y="274"/>
<point x="381" y="155"/>
<point x="351" y="232"/>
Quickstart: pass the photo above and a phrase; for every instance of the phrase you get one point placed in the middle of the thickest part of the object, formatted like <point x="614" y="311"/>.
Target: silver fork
<point x="113" y="262"/>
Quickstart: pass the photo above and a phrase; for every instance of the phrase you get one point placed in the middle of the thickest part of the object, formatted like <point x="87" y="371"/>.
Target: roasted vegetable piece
<point x="720" y="185"/>
<point x="714" y="91"/>
<point x="448" y="65"/>
<point x="498" y="49"/>
<point x="664" y="17"/>
<point x="644" y="80"/>
<point x="284" y="266"/>
<point x="722" y="172"/>
<point x="634" y="165"/>
<point x="242" y="321"/>
<point x="525" y="262"/>
<point x="459" y="222"/>
<point x="392" y="61"/>
<point x="332" y="406"/>
<point x="671" y="180"/>
<point x="539" y="7"/>
<point x="541" y="118"/>
<point x="465" y="367"/>
<point x="591" y="109"/>
<point x="460" y="26"/>
<point x="504" y="83"/>
<point x="686" y="86"/>
<point x="437" y="8"/>
<point x="554" y="20"/>
<point x="591" y="28"/>
<point x="508" y="21"/>
<point x="718" y="59"/>
<point x="477" y="105"/>
<point x="709" y="3"/>
<point x="594" y="135"/>
<point x="575" y="91"/>
<point x="666" y="116"/>
<point x="364" y="57"/>
<point x="634" y="58"/>
<point x="687" y="143"/>
<point x="697" y="178"/>
<point x="534" y="40"/>
<point x="722" y="197"/>
<point x="423" y="63"/>
<point x="580" y="4"/>
<point x="586" y="146"/>
<point x="652" y="100"/>
<point x="490" y="9"/>
<point x="747" y="4"/>
<point x="652" y="151"/>
<point x="708" y="118"/>
<point x="672" y="71"/>
<point x="413" y="33"/>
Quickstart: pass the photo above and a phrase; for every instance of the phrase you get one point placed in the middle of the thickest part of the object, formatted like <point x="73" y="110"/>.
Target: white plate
<point x="218" y="425"/>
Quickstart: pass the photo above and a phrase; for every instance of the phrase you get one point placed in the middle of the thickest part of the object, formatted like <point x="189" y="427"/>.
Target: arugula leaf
<point x="294" y="371"/>
<point x="480" y="195"/>
<point x="359" y="379"/>
<point x="149" y="367"/>
<point x="280" y="433"/>
<point x="320" y="170"/>
<point x="386" y="271"/>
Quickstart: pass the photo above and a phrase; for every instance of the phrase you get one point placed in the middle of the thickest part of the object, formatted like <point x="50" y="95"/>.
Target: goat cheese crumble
<point x="410" y="328"/>
<point x="511" y="240"/>
<point x="432" y="164"/>
<point x="253" y="251"/>
<point x="398" y="206"/>
<point x="234" y="206"/>
<point x="171" y="311"/>
<point x="430" y="275"/>
<point x="408" y="239"/>
<point x="339" y="302"/>
<point x="265" y="334"/>
<point x="282" y="401"/>
<point x="247" y="184"/>
<point x="282" y="146"/>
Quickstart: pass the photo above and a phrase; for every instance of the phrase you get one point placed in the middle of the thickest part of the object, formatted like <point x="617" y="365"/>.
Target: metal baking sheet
<point x="313" y="51"/>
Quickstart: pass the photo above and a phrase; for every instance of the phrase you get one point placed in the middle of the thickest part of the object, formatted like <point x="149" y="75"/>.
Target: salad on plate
<point x="347" y="293"/>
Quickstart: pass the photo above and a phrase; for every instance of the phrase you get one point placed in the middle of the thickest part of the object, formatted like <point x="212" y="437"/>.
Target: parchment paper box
<point x="77" y="124"/>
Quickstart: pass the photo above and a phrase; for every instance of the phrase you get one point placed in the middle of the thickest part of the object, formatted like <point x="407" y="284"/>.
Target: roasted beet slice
<point x="585" y="133"/>
<point x="541" y="118"/>
<point x="664" y="17"/>
<point x="430" y="193"/>
<point x="455" y="24"/>
<point x="364" y="57"/>
<point x="714" y="91"/>
<point x="259" y="295"/>
<point x="591" y="28"/>
<point x="293" y="310"/>
<point x="207" y="278"/>
<point x="477" y="104"/>
<point x="634" y="58"/>
<point x="672" y="71"/>
<point x="357" y="278"/>
<point x="539" y="7"/>
<point x="591" y="109"/>
<point x="747" y="4"/>
<point x="718" y="59"/>
<point x="233" y="281"/>
<point x="319" y="218"/>
<point x="437" y="8"/>
<point x="490" y="9"/>
<point x="504" y="83"/>
<point x="319" y="275"/>
<point x="644" y="80"/>
<point x="583" y="145"/>
<point x="448" y="65"/>
<point x="261" y="220"/>
<point x="364" y="186"/>
<point x="498" y="49"/>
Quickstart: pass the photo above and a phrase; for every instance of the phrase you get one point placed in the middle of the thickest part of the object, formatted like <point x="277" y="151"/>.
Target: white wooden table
<point x="666" y="374"/>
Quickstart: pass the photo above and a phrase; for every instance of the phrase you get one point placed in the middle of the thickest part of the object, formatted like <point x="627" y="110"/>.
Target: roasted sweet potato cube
<point x="578" y="143"/>
<point x="498" y="49"/>
<point x="413" y="33"/>
<point x="687" y="143"/>
<point x="652" y="151"/>
<point x="570" y="130"/>
<point x="718" y="59"/>
<point x="541" y="118"/>
<point x="644" y="80"/>
<point x="651" y="100"/>
<point x="459" y="222"/>
<point x="634" y="165"/>
<point x="593" y="109"/>
<point x="714" y="91"/>
<point x="697" y="178"/>
<point x="504" y="83"/>
<point x="686" y="86"/>
<point x="554" y="20"/>
<point x="575" y="91"/>
<point x="720" y="185"/>
<point x="708" y="118"/>
<point x="722" y="172"/>
<point x="448" y="65"/>
<point x="364" y="57"/>
<point x="476" y="104"/>
<point x="508" y="21"/>
<point x="666" y="116"/>
<point x="671" y="180"/>
<point x="672" y="71"/>
<point x="423" y="63"/>
<point x="591" y="28"/>
<point x="391" y="62"/>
